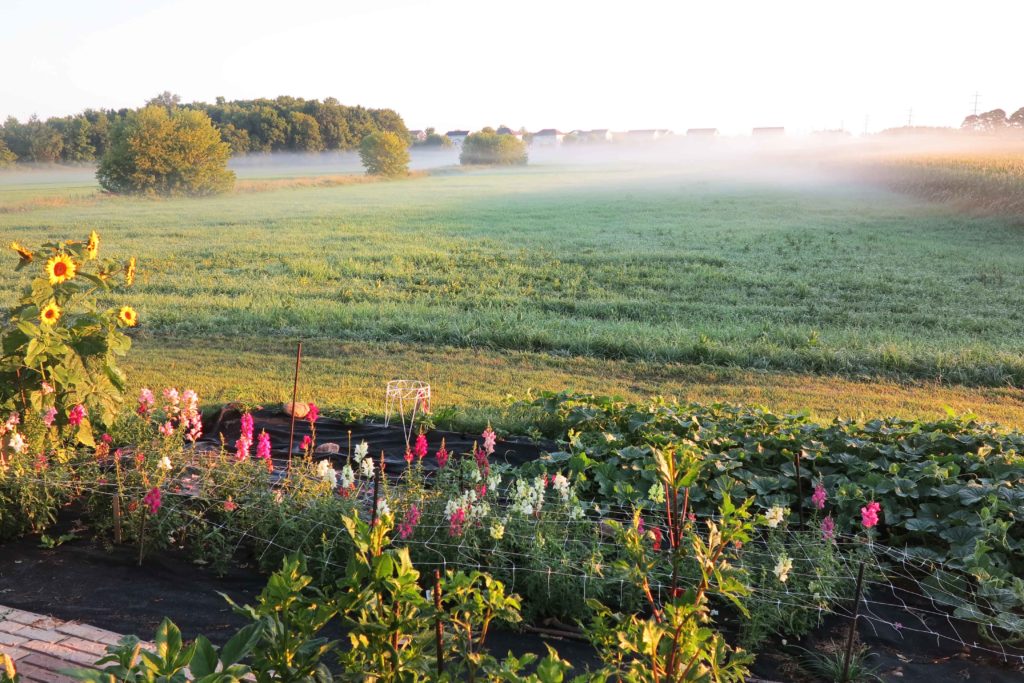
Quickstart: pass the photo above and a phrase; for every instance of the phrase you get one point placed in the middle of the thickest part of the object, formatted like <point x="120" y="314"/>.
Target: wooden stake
<point x="117" y="518"/>
<point x="142" y="537"/>
<point x="799" y="489"/>
<point x="853" y="625"/>
<point x="295" y="397"/>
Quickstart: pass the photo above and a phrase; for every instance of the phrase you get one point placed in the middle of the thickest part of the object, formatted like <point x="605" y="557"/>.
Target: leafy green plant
<point x="171" y="661"/>
<point x="674" y="642"/>
<point x="59" y="347"/>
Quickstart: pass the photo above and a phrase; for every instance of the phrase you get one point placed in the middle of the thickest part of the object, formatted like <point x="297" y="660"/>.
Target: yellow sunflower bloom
<point x="50" y="313"/>
<point x="129" y="272"/>
<point x="25" y="254"/>
<point x="92" y="248"/>
<point x="60" y="268"/>
<point x="128" y="316"/>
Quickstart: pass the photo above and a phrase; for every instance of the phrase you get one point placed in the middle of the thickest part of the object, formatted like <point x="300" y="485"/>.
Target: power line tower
<point x="910" y="118"/>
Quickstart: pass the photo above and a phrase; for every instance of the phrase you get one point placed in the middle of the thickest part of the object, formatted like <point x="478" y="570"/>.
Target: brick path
<point x="41" y="646"/>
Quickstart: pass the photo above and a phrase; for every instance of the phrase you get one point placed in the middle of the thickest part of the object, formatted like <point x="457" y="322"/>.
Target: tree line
<point x="247" y="126"/>
<point x="995" y="121"/>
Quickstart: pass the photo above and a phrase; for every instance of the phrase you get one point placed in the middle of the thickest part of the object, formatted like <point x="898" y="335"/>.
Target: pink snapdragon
<point x="409" y="522"/>
<point x="869" y="514"/>
<point x="146" y="402"/>
<point x="263" y="446"/>
<point x="230" y="505"/>
<point x="49" y="416"/>
<point x="457" y="522"/>
<point x="314" y="413"/>
<point x="191" y="416"/>
<point x="828" y="528"/>
<point x="244" y="443"/>
<point x="76" y="415"/>
<point x="489" y="438"/>
<point x="442" y="456"/>
<point x="172" y="399"/>
<point x="152" y="500"/>
<point x="13" y="420"/>
<point x="48" y="389"/>
<point x="420" y="450"/>
<point x="819" y="497"/>
<point x="656" y="540"/>
<point x="307" y="441"/>
<point x="408" y="456"/>
<point x="167" y="429"/>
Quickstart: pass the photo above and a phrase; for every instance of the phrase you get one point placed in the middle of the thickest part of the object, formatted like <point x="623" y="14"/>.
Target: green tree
<point x="166" y="99"/>
<point x="75" y="136"/>
<point x="385" y="153"/>
<point x="488" y="147"/>
<point x="304" y="133"/>
<point x="7" y="157"/>
<point x="237" y="138"/>
<point x="157" y="152"/>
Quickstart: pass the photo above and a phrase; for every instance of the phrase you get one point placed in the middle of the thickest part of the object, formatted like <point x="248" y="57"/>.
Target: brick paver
<point x="42" y="646"/>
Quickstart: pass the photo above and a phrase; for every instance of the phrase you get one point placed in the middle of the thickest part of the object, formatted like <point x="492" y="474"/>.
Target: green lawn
<point x="588" y="273"/>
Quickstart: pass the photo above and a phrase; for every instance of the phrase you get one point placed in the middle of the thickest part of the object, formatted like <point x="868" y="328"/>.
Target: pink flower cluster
<point x="828" y="528"/>
<point x="77" y="414"/>
<point x="869" y="514"/>
<point x="819" y="497"/>
<point x="420" y="450"/>
<point x="244" y="443"/>
<point x="409" y="522"/>
<point x="442" y="456"/>
<point x="50" y="416"/>
<point x="146" y="402"/>
<point x="457" y="522"/>
<point x="152" y="500"/>
<point x="489" y="439"/>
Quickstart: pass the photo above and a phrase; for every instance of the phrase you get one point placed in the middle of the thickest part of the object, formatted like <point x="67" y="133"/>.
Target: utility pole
<point x="867" y="118"/>
<point x="910" y="118"/>
<point x="976" y="95"/>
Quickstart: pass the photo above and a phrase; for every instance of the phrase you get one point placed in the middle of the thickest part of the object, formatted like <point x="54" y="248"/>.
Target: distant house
<point x="702" y="132"/>
<point x="505" y="130"/>
<point x="597" y="135"/>
<point x="549" y="137"/>
<point x="418" y="135"/>
<point x="457" y="136"/>
<point x="647" y="134"/>
<point x="769" y="130"/>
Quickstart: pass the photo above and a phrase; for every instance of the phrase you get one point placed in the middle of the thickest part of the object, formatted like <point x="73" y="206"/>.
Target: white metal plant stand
<point x="409" y="397"/>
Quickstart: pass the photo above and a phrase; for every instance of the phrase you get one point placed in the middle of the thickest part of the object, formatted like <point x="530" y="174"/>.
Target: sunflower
<point x="25" y="254"/>
<point x="60" y="268"/>
<point x="128" y="316"/>
<point x="50" y="313"/>
<point x="129" y="272"/>
<point x="93" y="246"/>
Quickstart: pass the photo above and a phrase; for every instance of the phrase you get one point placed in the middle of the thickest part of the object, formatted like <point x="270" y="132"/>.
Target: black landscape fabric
<point x="390" y="439"/>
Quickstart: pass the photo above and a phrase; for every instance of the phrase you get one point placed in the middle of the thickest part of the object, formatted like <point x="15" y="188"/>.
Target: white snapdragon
<point x="561" y="484"/>
<point x="362" y="450"/>
<point x="775" y="516"/>
<point x="782" y="569"/>
<point x="348" y="477"/>
<point x="493" y="482"/>
<point x="327" y="473"/>
<point x="17" y="443"/>
<point x="366" y="468"/>
<point x="497" y="530"/>
<point x="383" y="508"/>
<point x="164" y="464"/>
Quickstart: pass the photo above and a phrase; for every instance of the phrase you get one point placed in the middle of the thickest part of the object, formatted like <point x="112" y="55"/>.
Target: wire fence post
<point x="117" y="518"/>
<point x="295" y="397"/>
<point x="853" y="625"/>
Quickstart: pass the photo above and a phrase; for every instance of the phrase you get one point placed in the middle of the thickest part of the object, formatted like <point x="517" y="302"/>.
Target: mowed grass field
<point x="801" y="293"/>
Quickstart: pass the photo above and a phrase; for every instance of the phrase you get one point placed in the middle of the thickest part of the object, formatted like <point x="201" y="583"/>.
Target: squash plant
<point x="59" y="346"/>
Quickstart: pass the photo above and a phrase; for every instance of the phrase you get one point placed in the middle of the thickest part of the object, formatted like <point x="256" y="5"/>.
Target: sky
<point x="728" y="64"/>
